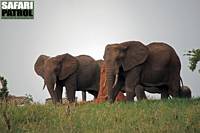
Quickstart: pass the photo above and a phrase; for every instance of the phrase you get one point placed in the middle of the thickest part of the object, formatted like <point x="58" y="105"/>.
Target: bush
<point x="4" y="90"/>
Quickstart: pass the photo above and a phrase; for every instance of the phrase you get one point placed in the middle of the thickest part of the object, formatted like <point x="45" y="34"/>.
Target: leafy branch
<point x="194" y="58"/>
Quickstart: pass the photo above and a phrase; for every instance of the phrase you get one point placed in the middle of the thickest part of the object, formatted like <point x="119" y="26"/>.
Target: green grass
<point x="155" y="116"/>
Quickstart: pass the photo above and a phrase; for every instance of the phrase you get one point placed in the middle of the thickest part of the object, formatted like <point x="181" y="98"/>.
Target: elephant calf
<point x="185" y="92"/>
<point x="79" y="73"/>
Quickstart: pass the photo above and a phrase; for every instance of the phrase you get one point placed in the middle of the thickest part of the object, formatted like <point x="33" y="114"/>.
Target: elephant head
<point x="124" y="56"/>
<point x="53" y="69"/>
<point x="185" y="92"/>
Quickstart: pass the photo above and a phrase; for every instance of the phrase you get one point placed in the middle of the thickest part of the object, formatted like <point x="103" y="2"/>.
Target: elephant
<point x="80" y="73"/>
<point x="185" y="91"/>
<point x="132" y="65"/>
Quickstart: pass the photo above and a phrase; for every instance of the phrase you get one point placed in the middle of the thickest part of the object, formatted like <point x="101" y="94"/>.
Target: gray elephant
<point x="132" y="65"/>
<point x="185" y="91"/>
<point x="79" y="73"/>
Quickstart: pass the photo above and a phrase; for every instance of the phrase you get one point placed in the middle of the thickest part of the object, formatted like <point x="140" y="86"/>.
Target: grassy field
<point x="155" y="116"/>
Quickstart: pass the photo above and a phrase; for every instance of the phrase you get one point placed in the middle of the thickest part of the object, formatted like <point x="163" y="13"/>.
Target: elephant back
<point x="84" y="59"/>
<point x="168" y="54"/>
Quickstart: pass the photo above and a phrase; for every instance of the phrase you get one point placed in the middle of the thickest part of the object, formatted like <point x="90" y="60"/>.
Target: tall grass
<point x="174" y="116"/>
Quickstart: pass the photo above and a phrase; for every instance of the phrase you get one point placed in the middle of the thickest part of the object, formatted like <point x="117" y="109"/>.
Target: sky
<point x="86" y="27"/>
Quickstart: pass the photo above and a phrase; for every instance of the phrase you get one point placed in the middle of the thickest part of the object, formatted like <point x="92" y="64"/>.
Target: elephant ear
<point x="39" y="65"/>
<point x="69" y="65"/>
<point x="136" y="53"/>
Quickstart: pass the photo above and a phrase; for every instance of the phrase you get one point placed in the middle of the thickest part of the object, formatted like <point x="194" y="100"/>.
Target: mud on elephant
<point x="79" y="73"/>
<point x="132" y="65"/>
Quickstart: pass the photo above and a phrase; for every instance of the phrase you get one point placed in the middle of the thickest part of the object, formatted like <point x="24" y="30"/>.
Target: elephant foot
<point x="139" y="90"/>
<point x="110" y="100"/>
<point x="164" y="95"/>
<point x="130" y="96"/>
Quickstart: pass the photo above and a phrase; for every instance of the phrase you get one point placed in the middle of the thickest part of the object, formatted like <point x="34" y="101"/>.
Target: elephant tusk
<point x="116" y="79"/>
<point x="54" y="87"/>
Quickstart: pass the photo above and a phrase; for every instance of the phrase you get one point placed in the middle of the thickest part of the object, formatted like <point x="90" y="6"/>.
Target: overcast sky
<point x="86" y="26"/>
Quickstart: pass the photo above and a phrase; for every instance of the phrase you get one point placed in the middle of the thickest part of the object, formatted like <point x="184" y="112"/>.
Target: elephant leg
<point x="71" y="87"/>
<point x="174" y="88"/>
<point x="94" y="93"/>
<point x="83" y="95"/>
<point x="164" y="93"/>
<point x="139" y="90"/>
<point x="59" y="90"/>
<point x="131" y="81"/>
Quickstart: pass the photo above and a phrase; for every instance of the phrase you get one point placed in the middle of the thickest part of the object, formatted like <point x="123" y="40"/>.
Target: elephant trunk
<point x="116" y="80"/>
<point x="51" y="84"/>
<point x="110" y="83"/>
<point x="51" y="92"/>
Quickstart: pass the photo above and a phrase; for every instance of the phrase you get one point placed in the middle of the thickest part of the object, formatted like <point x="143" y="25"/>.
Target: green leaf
<point x="194" y="58"/>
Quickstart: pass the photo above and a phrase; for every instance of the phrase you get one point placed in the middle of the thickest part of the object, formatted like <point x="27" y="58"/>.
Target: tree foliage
<point x="4" y="90"/>
<point x="194" y="58"/>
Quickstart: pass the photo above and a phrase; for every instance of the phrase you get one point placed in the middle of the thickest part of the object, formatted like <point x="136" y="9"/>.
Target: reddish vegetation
<point x="102" y="96"/>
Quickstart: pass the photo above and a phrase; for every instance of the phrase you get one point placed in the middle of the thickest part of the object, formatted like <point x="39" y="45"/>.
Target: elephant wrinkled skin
<point x="79" y="73"/>
<point x="133" y="66"/>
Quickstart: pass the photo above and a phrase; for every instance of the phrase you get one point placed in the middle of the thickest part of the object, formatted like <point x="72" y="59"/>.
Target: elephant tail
<point x="181" y="82"/>
<point x="44" y="85"/>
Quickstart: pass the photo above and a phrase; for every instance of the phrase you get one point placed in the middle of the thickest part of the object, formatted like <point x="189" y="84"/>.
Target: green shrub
<point x="4" y="90"/>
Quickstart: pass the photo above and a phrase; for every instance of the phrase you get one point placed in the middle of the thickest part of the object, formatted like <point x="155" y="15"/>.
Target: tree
<point x="194" y="58"/>
<point x="4" y="90"/>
